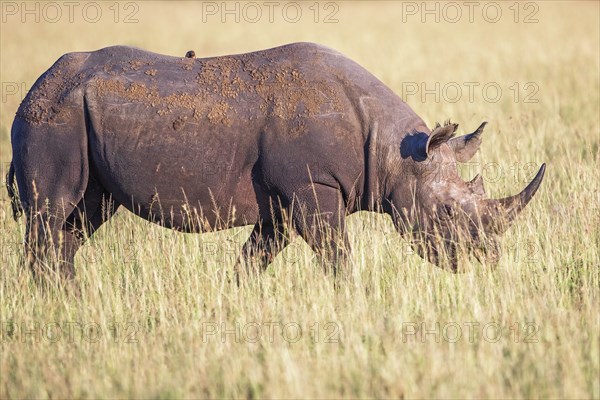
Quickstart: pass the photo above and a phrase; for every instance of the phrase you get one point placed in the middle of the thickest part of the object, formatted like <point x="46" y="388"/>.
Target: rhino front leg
<point x="320" y="219"/>
<point x="263" y="245"/>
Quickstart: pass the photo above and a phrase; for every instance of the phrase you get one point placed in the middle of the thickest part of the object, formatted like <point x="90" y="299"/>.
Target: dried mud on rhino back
<point x="221" y="90"/>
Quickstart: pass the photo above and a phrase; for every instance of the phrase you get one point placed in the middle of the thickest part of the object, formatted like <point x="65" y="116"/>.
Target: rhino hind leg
<point x="52" y="173"/>
<point x="55" y="233"/>
<point x="45" y="244"/>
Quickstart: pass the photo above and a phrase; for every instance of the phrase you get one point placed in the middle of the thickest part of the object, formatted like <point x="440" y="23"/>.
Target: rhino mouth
<point x="444" y="246"/>
<point x="488" y="253"/>
<point x="446" y="255"/>
<point x="437" y="250"/>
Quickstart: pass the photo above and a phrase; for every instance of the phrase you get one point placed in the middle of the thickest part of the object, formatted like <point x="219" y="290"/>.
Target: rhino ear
<point x="439" y="136"/>
<point x="466" y="146"/>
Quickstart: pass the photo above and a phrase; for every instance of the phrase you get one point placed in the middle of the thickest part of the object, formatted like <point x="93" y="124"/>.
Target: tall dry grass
<point x="156" y="318"/>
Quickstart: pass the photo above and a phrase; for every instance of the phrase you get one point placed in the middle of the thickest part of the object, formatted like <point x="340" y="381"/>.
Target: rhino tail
<point x="17" y="209"/>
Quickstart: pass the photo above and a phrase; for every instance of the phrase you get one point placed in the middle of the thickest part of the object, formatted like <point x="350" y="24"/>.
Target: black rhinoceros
<point x="198" y="144"/>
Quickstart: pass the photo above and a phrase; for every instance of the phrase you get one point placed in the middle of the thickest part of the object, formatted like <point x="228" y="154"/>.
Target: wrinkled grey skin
<point x="204" y="144"/>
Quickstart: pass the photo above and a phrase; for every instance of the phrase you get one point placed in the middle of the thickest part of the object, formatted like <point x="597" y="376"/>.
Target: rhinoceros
<point x="296" y="133"/>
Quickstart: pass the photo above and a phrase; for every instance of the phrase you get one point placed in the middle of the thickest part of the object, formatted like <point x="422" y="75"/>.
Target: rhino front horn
<point x="503" y="211"/>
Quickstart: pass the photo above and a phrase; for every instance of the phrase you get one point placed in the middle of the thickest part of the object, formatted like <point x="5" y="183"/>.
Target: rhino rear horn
<point x="476" y="185"/>
<point x="466" y="146"/>
<point x="503" y="211"/>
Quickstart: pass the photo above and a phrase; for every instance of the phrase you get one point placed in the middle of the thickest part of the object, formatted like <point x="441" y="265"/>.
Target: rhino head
<point x="439" y="209"/>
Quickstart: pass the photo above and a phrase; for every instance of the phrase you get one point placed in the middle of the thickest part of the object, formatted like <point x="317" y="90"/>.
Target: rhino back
<point x="198" y="127"/>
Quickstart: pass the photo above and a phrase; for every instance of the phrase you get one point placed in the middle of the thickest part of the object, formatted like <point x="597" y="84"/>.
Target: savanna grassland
<point x="155" y="317"/>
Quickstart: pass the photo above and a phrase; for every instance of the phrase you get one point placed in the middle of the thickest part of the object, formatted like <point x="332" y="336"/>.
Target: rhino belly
<point x="174" y="170"/>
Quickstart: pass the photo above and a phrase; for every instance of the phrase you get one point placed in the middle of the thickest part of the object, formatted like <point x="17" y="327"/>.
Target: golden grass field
<point x="156" y="319"/>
